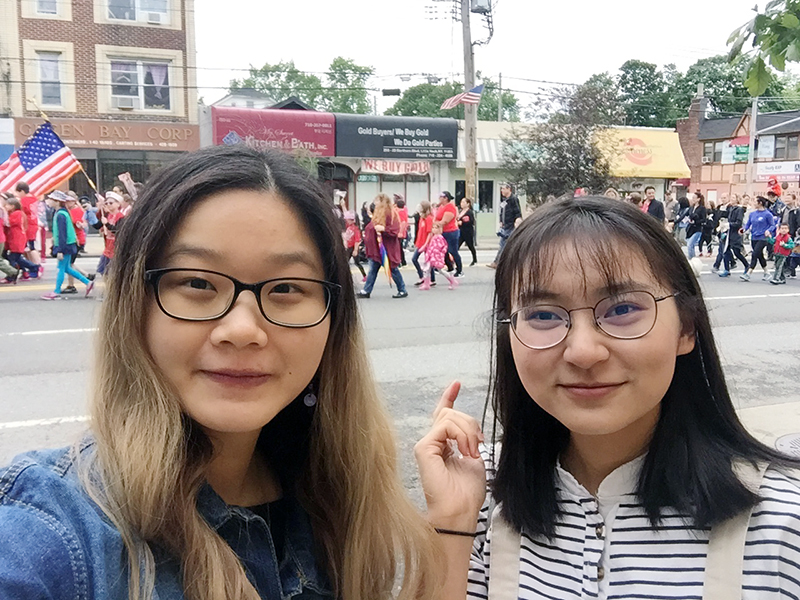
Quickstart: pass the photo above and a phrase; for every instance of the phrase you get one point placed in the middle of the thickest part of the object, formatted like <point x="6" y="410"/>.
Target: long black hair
<point x="688" y="466"/>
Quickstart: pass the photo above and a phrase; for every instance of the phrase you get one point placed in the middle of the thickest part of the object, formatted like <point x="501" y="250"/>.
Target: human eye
<point x="622" y="310"/>
<point x="542" y="317"/>
<point x="190" y="283"/>
<point x="289" y="290"/>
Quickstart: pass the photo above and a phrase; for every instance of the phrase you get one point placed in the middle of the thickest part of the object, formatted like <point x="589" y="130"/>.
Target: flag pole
<point x="47" y="120"/>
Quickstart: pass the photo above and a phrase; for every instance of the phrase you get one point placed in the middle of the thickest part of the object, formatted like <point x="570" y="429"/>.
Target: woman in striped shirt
<point x="622" y="469"/>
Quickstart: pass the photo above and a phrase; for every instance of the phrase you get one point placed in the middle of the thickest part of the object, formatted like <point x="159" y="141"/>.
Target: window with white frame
<point x="140" y="84"/>
<point x="148" y="11"/>
<point x="47" y="7"/>
<point x="50" y="77"/>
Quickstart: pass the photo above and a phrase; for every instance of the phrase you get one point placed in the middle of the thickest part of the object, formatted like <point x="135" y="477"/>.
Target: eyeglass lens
<point x="187" y="294"/>
<point x="625" y="316"/>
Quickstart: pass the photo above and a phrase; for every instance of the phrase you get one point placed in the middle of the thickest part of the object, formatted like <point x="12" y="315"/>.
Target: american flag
<point x="471" y="97"/>
<point x="42" y="162"/>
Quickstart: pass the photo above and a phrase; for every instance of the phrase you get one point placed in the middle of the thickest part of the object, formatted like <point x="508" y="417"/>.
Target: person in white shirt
<point x="619" y="468"/>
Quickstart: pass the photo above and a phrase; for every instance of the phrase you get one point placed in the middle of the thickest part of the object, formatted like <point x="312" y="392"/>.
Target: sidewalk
<point x="770" y="423"/>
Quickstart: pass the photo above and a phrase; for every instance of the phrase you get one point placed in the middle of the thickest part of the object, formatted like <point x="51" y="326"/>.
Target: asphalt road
<point x="417" y="345"/>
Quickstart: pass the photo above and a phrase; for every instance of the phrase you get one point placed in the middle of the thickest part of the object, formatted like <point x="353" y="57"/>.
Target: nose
<point x="243" y="326"/>
<point x="585" y="345"/>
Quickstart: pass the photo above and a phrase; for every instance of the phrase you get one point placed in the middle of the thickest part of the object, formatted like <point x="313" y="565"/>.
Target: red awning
<point x="686" y="182"/>
<point x="742" y="140"/>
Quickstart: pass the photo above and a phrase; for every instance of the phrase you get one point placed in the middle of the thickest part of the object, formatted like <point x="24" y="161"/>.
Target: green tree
<point x="347" y="87"/>
<point x="775" y="36"/>
<point x="645" y="95"/>
<point x="425" y="100"/>
<point x="723" y="85"/>
<point x="280" y="81"/>
<point x="571" y="146"/>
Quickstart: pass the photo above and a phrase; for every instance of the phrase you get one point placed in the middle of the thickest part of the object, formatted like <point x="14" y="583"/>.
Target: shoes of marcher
<point x="51" y="296"/>
<point x="765" y="277"/>
<point x="725" y="274"/>
<point x="400" y="295"/>
<point x="91" y="276"/>
<point x="492" y="265"/>
<point x="419" y="283"/>
<point x="89" y="288"/>
<point x="714" y="270"/>
<point x="459" y="275"/>
<point x="362" y="294"/>
<point x="70" y="289"/>
<point x="473" y="263"/>
<point x="745" y="276"/>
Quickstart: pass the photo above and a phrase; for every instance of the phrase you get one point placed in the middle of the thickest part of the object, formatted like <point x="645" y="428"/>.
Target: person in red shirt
<point x="402" y="211"/>
<point x="108" y="224"/>
<point x="381" y="235"/>
<point x="423" y="234"/>
<point x="5" y="267"/>
<point x="30" y="206"/>
<point x="782" y="249"/>
<point x="352" y="240"/>
<point x="447" y="217"/>
<point x="16" y="240"/>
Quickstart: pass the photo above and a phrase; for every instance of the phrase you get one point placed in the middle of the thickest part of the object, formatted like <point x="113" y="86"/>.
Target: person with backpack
<point x="65" y="244"/>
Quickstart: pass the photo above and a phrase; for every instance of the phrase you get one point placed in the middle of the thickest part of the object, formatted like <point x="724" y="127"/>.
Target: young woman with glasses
<point x="622" y="470"/>
<point x="238" y="449"/>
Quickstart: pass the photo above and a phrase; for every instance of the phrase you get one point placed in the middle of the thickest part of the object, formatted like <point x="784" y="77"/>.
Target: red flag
<point x="42" y="162"/>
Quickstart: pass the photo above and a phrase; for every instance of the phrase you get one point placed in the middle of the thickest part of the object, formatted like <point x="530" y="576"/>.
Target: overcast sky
<point x="562" y="41"/>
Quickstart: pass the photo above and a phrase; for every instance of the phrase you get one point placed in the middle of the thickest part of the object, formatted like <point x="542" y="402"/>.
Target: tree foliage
<point x="775" y="36"/>
<point x="425" y="100"/>
<point x="344" y="90"/>
<point x="645" y="94"/>
<point x="572" y="148"/>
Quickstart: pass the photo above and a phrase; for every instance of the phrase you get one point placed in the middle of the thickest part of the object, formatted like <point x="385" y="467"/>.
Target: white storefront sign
<point x="766" y="147"/>
<point x="785" y="170"/>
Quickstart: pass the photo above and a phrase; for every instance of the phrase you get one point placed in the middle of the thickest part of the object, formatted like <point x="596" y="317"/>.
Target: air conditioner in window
<point x="707" y="160"/>
<point x="155" y="18"/>
<point x="124" y="102"/>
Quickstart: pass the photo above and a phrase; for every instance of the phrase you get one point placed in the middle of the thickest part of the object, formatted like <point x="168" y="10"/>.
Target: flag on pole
<point x="471" y="97"/>
<point x="42" y="162"/>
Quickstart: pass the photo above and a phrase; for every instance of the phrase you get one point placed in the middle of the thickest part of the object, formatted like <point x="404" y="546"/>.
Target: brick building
<point x="117" y="78"/>
<point x="716" y="150"/>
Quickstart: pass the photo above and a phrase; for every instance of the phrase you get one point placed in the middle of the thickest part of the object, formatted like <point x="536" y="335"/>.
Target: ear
<point x="686" y="343"/>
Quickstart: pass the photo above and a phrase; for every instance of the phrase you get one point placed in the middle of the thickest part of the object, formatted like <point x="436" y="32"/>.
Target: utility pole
<point x="470" y="110"/>
<point x="751" y="172"/>
<point x="500" y="98"/>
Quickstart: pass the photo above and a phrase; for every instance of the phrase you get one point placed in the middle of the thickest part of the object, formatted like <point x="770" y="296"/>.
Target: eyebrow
<point x="280" y="259"/>
<point x="617" y="287"/>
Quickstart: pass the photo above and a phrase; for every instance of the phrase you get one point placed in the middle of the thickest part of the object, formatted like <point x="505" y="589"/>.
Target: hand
<point x="60" y="255"/>
<point x="103" y="220"/>
<point x="125" y="177"/>
<point x="380" y="228"/>
<point x="454" y="485"/>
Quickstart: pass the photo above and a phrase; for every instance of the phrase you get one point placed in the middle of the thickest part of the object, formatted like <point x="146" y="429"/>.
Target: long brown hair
<point x="148" y="462"/>
<point x="384" y="211"/>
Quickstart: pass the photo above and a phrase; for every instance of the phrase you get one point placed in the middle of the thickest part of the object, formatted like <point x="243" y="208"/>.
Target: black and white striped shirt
<point x="605" y="546"/>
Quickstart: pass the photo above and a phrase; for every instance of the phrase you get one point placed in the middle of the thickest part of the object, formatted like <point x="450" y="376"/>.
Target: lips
<point x="237" y="378"/>
<point x="590" y="390"/>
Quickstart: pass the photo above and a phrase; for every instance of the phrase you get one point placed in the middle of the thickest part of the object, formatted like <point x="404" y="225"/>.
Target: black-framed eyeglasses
<point x="202" y="295"/>
<point x="624" y="316"/>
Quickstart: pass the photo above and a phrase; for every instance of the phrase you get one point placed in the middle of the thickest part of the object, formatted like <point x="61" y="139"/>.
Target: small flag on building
<point x="42" y="162"/>
<point x="471" y="97"/>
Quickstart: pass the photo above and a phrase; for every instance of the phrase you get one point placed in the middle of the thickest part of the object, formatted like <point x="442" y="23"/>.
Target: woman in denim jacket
<point x="238" y="449"/>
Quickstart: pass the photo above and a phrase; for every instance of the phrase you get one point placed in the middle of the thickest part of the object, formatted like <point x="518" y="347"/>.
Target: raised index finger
<point x="448" y="398"/>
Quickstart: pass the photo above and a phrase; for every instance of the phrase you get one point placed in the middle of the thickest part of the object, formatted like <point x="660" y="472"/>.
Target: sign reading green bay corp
<point x="395" y="138"/>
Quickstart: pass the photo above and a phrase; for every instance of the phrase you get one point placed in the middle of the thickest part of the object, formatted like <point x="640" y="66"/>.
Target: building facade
<point x="717" y="150"/>
<point x="117" y="78"/>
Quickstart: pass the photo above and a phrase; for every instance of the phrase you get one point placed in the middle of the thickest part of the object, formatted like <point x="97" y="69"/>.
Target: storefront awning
<point x="490" y="153"/>
<point x="742" y="140"/>
<point x="644" y="153"/>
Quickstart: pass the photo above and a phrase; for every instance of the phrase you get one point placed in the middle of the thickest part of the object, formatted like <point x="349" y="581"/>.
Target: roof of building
<point x="718" y="129"/>
<point x="293" y="103"/>
<point x="769" y="119"/>
<point x="725" y="128"/>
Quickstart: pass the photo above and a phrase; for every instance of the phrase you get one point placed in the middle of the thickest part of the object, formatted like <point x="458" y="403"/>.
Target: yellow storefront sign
<point x="645" y="153"/>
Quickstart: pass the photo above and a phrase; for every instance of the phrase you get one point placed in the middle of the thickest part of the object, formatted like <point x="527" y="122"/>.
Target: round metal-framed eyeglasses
<point x="624" y="316"/>
<point x="202" y="295"/>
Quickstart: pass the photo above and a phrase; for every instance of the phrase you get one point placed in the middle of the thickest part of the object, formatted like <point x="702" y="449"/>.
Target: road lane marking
<point x="49" y="332"/>
<point x="40" y="422"/>
<point x="26" y="288"/>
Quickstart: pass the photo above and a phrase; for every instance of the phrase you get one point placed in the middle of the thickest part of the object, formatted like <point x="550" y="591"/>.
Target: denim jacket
<point x="56" y="543"/>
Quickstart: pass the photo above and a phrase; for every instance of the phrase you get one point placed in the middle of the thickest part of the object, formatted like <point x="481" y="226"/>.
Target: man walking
<point x="510" y="218"/>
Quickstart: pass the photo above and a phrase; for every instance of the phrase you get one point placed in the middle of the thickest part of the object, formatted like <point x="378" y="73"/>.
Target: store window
<point x="139" y="84"/>
<point x="50" y="77"/>
<point x="141" y="165"/>
<point x="780" y="147"/>
<point x="791" y="147"/>
<point x="148" y="11"/>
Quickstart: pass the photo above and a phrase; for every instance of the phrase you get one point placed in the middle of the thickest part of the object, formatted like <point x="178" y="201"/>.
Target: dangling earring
<point x="310" y="399"/>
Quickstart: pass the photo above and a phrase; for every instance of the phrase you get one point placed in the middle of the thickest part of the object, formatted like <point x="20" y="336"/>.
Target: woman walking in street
<point x="622" y="469"/>
<point x="238" y="446"/>
<point x="466" y="226"/>
<point x="380" y="238"/>
<point x="697" y="217"/>
<point x="761" y="225"/>
<point x="423" y="235"/>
